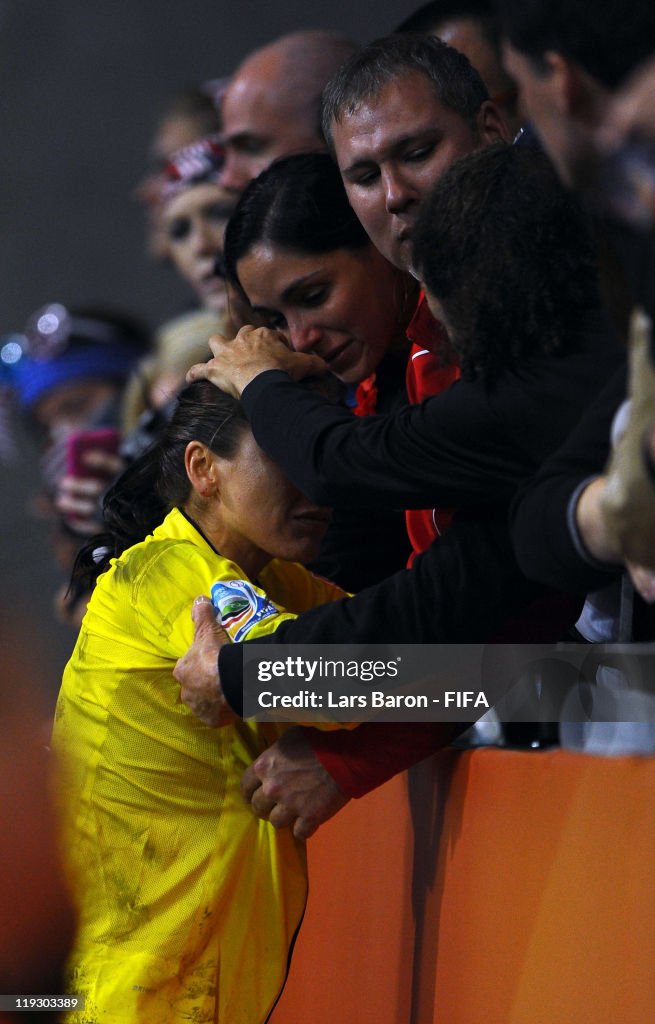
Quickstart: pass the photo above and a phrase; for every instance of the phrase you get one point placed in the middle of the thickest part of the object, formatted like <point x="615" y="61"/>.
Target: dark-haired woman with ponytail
<point x="188" y="903"/>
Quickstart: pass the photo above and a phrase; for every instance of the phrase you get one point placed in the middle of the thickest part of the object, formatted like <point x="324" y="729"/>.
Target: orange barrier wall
<point x="486" y="887"/>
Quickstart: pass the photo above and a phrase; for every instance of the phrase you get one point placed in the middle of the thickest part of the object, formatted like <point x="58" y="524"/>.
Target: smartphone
<point x="78" y="444"/>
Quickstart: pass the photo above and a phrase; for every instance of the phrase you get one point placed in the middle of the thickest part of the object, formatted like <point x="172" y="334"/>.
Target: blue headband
<point x="34" y="378"/>
<point x="59" y="347"/>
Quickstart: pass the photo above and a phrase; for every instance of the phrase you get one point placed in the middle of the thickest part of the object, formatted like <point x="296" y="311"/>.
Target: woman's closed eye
<point x="313" y="297"/>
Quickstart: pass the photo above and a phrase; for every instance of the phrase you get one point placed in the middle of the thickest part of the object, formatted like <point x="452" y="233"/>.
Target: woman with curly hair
<point x="507" y="259"/>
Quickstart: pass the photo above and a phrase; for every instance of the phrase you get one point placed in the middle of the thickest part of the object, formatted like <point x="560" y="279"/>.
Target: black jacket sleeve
<point x="459" y="591"/>
<point x="469" y="445"/>
<point x="546" y="545"/>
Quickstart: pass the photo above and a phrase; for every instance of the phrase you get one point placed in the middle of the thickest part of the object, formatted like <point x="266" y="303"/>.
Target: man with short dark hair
<point x="396" y="115"/>
<point x="569" y="59"/>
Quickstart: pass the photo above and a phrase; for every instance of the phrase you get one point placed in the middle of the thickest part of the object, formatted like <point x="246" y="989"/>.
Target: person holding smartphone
<point x="69" y="371"/>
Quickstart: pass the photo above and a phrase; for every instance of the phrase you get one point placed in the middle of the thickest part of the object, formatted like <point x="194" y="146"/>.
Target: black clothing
<point x="460" y="590"/>
<point x="542" y="514"/>
<point x="635" y="253"/>
<point x="546" y="547"/>
<point x="363" y="545"/>
<point x="469" y="445"/>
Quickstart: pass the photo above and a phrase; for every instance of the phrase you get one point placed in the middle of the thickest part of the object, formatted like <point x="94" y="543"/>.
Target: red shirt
<point x="427" y="375"/>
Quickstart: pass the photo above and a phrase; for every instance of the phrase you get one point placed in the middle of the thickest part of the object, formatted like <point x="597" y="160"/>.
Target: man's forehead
<point x="404" y="88"/>
<point x="403" y="109"/>
<point x="251" y="108"/>
<point x="238" y="103"/>
<point x="247" y="122"/>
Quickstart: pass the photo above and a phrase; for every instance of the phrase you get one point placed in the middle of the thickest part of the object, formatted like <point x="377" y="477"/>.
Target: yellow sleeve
<point x="296" y="589"/>
<point x="165" y="588"/>
<point x="172" y="578"/>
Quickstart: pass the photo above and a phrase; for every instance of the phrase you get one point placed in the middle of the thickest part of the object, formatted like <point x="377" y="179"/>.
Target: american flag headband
<point x="199" y="161"/>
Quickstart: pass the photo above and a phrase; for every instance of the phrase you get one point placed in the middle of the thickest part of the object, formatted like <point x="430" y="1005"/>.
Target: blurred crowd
<point x="456" y="224"/>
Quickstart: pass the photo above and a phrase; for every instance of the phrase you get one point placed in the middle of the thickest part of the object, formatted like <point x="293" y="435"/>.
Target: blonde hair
<point x="179" y="343"/>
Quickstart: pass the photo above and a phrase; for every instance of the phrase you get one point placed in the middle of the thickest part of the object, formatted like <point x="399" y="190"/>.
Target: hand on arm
<point x="255" y="349"/>
<point x="592" y="526"/>
<point x="288" y="785"/>
<point x="197" y="671"/>
<point x="628" y="499"/>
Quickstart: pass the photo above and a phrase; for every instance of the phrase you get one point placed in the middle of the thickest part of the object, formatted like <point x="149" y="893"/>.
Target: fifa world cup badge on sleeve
<point x="239" y="607"/>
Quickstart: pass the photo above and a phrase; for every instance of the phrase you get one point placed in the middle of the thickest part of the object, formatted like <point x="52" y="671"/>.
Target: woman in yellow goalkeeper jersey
<point x="188" y="903"/>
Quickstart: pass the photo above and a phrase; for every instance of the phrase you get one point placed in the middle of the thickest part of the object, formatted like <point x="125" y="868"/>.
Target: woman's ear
<point x="201" y="469"/>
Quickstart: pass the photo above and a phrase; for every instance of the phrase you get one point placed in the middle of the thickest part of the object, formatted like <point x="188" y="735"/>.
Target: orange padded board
<point x="490" y="887"/>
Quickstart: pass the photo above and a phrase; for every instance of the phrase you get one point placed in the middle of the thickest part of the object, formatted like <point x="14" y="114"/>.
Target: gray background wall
<point x="81" y="85"/>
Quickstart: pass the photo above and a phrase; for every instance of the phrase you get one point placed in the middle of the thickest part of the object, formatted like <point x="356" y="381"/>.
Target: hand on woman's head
<point x="255" y="349"/>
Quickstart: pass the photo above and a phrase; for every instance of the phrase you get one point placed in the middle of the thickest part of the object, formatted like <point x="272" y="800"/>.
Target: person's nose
<point x="234" y="174"/>
<point x="198" y="243"/>
<point x="203" y="238"/>
<point x="398" y="192"/>
<point x="304" y="337"/>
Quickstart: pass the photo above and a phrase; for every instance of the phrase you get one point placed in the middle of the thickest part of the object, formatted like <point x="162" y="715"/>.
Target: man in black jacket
<point x="570" y="60"/>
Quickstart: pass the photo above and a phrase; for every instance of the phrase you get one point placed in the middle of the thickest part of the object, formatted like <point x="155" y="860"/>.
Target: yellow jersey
<point x="188" y="903"/>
